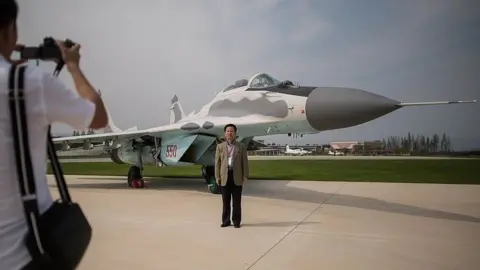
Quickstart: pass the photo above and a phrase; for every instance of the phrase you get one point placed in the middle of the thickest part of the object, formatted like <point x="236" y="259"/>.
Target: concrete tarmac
<point x="175" y="224"/>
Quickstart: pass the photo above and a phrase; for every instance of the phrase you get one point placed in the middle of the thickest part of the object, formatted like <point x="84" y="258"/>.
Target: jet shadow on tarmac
<point x="272" y="189"/>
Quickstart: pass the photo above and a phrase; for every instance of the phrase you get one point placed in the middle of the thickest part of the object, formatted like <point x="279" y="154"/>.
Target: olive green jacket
<point x="240" y="163"/>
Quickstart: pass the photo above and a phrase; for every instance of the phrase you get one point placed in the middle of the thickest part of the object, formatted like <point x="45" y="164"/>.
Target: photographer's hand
<point x="71" y="56"/>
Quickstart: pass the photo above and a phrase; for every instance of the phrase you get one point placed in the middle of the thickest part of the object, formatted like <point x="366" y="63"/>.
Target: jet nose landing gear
<point x="213" y="187"/>
<point x="135" y="179"/>
<point x="208" y="173"/>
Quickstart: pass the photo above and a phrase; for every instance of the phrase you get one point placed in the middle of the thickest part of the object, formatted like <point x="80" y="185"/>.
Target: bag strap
<point x="22" y="151"/>
<point x="16" y="82"/>
<point x="17" y="109"/>
<point x="57" y="169"/>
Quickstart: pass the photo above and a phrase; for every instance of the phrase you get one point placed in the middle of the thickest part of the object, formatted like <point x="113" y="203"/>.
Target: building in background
<point x="359" y="147"/>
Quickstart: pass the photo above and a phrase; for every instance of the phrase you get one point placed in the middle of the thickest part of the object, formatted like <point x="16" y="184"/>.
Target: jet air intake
<point x="329" y="108"/>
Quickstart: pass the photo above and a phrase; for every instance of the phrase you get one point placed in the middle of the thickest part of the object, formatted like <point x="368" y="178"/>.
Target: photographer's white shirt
<point x="48" y="100"/>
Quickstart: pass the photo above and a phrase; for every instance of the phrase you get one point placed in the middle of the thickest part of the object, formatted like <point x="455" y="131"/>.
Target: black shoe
<point x="237" y="225"/>
<point x="225" y="225"/>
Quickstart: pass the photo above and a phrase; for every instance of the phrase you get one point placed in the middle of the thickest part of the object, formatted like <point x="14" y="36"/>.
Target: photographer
<point x="48" y="101"/>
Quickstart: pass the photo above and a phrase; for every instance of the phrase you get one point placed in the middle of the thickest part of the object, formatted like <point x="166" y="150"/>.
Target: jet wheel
<point x="208" y="172"/>
<point x="213" y="187"/>
<point x="135" y="179"/>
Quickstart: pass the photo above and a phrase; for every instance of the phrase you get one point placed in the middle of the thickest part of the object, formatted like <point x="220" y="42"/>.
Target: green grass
<point x="406" y="171"/>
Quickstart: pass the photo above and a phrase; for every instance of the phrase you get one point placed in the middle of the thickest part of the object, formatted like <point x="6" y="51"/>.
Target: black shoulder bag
<point x="58" y="238"/>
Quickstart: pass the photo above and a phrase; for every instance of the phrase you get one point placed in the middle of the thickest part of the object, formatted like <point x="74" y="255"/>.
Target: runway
<point x="175" y="224"/>
<point x="320" y="157"/>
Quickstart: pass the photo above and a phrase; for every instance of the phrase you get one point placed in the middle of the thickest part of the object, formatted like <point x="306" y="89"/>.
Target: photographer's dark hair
<point x="230" y="125"/>
<point x="8" y="13"/>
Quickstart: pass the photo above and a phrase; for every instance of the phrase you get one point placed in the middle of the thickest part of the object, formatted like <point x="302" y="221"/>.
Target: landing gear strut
<point x="135" y="179"/>
<point x="208" y="173"/>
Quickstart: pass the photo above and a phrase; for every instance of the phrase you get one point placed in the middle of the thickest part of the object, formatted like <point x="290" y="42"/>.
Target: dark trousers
<point x="231" y="191"/>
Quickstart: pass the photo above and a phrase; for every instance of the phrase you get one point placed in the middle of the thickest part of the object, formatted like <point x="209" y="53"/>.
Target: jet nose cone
<point x="335" y="107"/>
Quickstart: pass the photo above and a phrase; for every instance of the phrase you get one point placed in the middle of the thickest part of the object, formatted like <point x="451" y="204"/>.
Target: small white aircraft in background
<point x="301" y="152"/>
<point x="335" y="153"/>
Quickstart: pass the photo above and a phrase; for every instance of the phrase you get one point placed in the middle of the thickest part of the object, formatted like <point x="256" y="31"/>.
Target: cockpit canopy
<point x="263" y="80"/>
<point x="260" y="80"/>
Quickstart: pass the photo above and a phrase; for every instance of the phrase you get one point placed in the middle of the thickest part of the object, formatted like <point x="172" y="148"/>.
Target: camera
<point x="47" y="51"/>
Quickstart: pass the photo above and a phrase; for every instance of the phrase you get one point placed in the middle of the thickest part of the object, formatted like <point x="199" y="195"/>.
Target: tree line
<point x="419" y="143"/>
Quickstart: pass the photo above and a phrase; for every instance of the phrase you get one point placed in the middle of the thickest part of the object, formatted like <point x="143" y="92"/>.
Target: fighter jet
<point x="259" y="106"/>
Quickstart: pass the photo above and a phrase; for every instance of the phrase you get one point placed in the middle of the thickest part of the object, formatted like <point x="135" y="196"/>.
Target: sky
<point x="150" y="50"/>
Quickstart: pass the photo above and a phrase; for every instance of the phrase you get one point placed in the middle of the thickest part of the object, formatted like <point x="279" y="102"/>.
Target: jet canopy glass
<point x="263" y="80"/>
<point x="260" y="80"/>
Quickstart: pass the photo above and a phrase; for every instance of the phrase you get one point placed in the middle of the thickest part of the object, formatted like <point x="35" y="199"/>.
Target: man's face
<point x="230" y="133"/>
<point x="9" y="39"/>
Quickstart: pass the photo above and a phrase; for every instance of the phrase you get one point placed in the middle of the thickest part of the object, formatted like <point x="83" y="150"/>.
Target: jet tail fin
<point x="111" y="127"/>
<point x="409" y="104"/>
<point x="176" y="110"/>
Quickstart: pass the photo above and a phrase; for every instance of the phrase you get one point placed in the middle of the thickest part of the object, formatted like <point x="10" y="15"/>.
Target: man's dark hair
<point x="230" y="125"/>
<point x="8" y="13"/>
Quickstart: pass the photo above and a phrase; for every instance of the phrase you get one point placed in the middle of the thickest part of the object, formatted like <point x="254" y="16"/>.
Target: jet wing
<point x="101" y="137"/>
<point x="202" y="125"/>
<point x="121" y="135"/>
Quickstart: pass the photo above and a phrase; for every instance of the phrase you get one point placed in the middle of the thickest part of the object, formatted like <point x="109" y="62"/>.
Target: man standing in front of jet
<point x="231" y="172"/>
